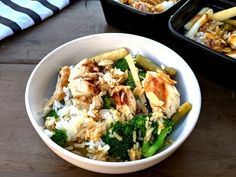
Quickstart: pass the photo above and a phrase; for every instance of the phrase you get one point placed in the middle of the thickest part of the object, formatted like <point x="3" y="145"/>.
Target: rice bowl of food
<point x="113" y="103"/>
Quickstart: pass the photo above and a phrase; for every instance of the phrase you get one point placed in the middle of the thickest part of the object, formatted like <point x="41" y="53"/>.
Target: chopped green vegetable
<point x="52" y="113"/>
<point x="119" y="149"/>
<point x="113" y="55"/>
<point x="149" y="149"/>
<point x="59" y="137"/>
<point x="146" y="63"/>
<point x="181" y="112"/>
<point x="139" y="122"/>
<point x="130" y="81"/>
<point x="142" y="74"/>
<point x="121" y="64"/>
<point x="107" y="102"/>
<point x="133" y="69"/>
<point x="150" y="66"/>
<point x="171" y="71"/>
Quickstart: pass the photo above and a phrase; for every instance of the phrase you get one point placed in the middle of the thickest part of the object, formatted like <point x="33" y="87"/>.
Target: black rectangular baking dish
<point x="188" y="11"/>
<point x="127" y="18"/>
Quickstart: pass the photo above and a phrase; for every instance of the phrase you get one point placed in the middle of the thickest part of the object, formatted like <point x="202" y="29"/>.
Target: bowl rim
<point x="166" y="152"/>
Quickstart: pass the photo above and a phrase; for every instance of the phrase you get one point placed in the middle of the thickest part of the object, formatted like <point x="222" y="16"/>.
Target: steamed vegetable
<point x="52" y="113"/>
<point x="130" y="81"/>
<point x="134" y="71"/>
<point x="215" y="30"/>
<point x="121" y="64"/>
<point x="111" y="55"/>
<point x="181" y="112"/>
<point x="150" y="66"/>
<point x="59" y="137"/>
<point x="231" y="22"/>
<point x="225" y="14"/>
<point x="119" y="147"/>
<point x="188" y="25"/>
<point x="202" y="20"/>
<point x="149" y="149"/>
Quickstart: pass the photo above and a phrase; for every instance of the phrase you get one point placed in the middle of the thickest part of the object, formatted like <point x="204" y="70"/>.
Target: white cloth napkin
<point x="17" y="15"/>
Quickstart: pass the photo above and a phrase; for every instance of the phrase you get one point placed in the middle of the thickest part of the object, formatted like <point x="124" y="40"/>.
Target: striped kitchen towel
<point x="17" y="15"/>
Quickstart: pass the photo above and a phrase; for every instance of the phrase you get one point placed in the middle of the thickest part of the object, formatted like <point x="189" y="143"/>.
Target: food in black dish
<point x="150" y="6"/>
<point x="206" y="26"/>
<point x="214" y="30"/>
<point x="129" y="19"/>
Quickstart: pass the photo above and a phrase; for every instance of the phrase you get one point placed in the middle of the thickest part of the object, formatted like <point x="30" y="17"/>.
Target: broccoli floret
<point x="118" y="148"/>
<point x="52" y="113"/>
<point x="121" y="64"/>
<point x="59" y="137"/>
<point x="149" y="149"/>
<point x="139" y="122"/>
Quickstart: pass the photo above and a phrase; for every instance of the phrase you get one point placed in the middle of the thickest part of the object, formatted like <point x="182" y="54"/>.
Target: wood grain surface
<point x="210" y="151"/>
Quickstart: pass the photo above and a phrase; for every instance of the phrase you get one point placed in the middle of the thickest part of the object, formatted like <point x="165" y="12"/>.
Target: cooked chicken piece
<point x="232" y="40"/>
<point x="125" y="100"/>
<point x="161" y="93"/>
<point x="86" y="68"/>
<point x="82" y="103"/>
<point x="58" y="95"/>
<point x="96" y="103"/>
<point x="94" y="107"/>
<point x="112" y="78"/>
<point x="80" y="87"/>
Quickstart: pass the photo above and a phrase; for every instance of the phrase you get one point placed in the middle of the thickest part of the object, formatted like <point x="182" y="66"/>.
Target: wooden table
<point x="210" y="151"/>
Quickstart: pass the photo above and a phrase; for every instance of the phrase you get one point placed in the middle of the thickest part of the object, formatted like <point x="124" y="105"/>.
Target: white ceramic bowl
<point x="42" y="83"/>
